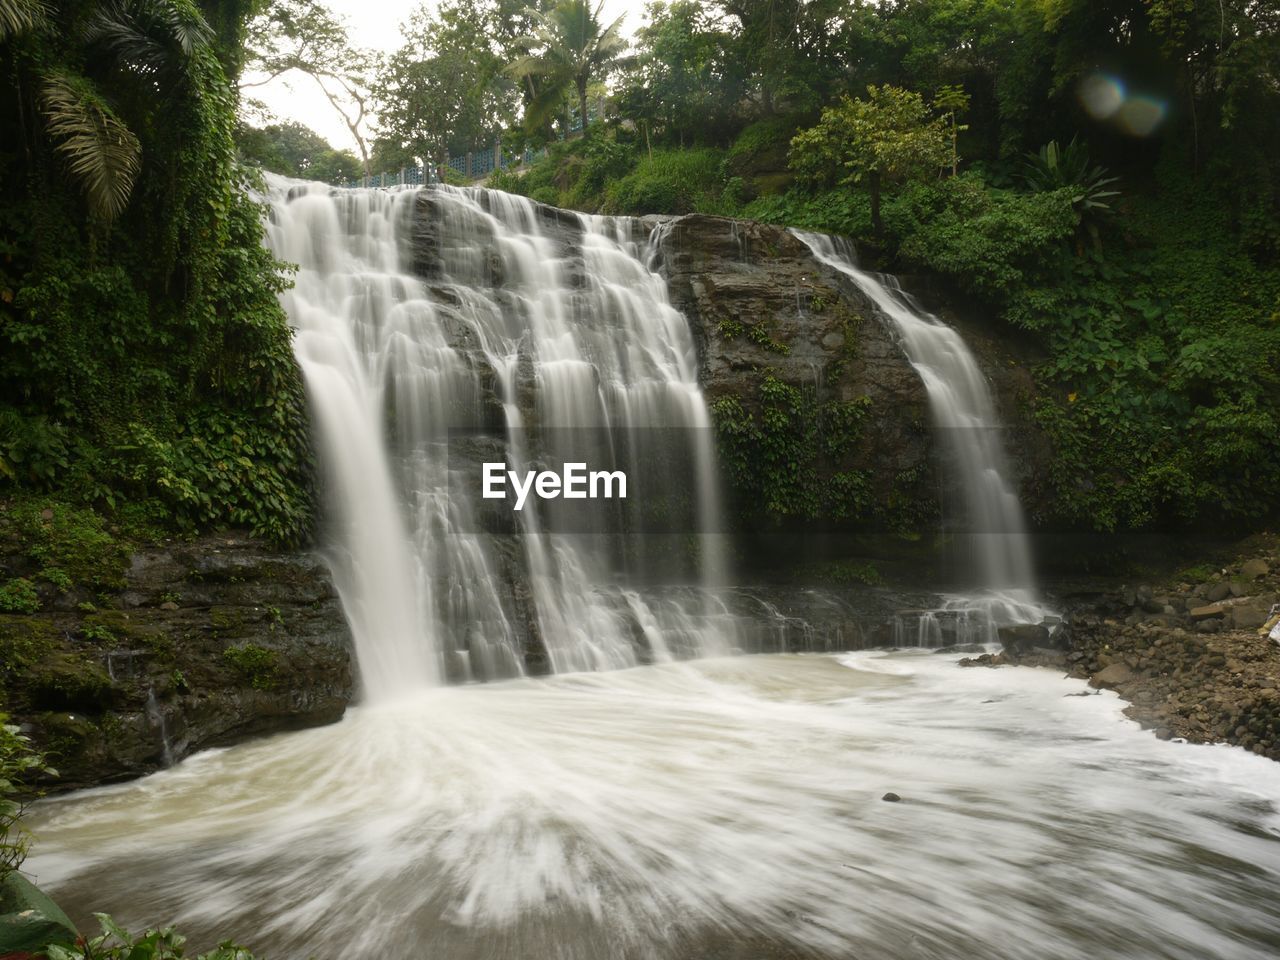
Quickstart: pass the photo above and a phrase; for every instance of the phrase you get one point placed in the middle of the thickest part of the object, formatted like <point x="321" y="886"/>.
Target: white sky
<point x="374" y="24"/>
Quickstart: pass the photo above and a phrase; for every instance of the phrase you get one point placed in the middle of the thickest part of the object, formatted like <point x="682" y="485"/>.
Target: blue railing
<point x="473" y="166"/>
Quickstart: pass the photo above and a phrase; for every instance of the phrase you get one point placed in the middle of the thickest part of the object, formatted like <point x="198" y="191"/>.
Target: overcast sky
<point x="374" y="24"/>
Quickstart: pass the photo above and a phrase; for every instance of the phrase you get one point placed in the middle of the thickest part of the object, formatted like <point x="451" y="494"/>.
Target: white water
<point x="965" y="418"/>
<point x="392" y="363"/>
<point x="725" y="808"/>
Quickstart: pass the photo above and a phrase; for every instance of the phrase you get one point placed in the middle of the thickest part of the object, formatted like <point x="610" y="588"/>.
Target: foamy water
<point x="723" y="808"/>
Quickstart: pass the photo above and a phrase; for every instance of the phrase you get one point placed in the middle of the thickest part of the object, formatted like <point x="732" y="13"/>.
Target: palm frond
<point x="150" y="36"/>
<point x="102" y="155"/>
<point x="19" y="16"/>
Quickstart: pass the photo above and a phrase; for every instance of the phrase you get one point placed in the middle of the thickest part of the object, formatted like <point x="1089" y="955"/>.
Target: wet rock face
<point x="210" y="642"/>
<point x="761" y="305"/>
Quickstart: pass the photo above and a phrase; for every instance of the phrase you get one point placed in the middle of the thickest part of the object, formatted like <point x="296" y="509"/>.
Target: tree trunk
<point x="877" y="225"/>
<point x="582" y="102"/>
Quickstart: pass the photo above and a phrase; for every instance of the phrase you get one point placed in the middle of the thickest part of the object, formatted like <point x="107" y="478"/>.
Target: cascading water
<point x="965" y="417"/>
<point x="723" y="808"/>
<point x="559" y="320"/>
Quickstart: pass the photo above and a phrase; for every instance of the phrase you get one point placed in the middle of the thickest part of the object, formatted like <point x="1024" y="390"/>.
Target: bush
<point x="116" y="943"/>
<point x="18" y="762"/>
<point x="988" y="241"/>
<point x="19" y="596"/>
<point x="842" y="211"/>
<point x="761" y="147"/>
<point x="671" y="181"/>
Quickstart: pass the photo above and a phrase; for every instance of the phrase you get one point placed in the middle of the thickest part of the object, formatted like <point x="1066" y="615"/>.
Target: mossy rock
<point x="64" y="680"/>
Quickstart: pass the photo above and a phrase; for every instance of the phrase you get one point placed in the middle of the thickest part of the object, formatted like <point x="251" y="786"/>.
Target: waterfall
<point x="964" y="416"/>
<point x="418" y="313"/>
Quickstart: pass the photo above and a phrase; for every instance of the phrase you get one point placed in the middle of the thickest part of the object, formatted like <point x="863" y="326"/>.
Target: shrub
<point x="18" y="762"/>
<point x="116" y="943"/>
<point x="19" y="596"/>
<point x="761" y="147"/>
<point x="671" y="181"/>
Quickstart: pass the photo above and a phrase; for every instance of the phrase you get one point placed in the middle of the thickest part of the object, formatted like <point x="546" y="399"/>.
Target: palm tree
<point x="19" y="16"/>
<point x="571" y="49"/>
<point x="142" y="48"/>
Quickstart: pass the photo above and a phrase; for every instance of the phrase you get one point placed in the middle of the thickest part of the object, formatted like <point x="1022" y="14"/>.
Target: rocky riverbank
<point x="1190" y="653"/>
<point x="145" y="656"/>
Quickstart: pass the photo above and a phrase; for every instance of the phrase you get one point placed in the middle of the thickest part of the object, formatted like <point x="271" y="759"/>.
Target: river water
<point x="720" y="808"/>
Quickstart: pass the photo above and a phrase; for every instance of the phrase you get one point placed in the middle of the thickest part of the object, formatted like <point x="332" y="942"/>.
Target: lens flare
<point x="1101" y="95"/>
<point x="1140" y="116"/>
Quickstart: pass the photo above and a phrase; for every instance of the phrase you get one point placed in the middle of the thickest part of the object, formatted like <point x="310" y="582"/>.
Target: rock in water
<point x="1112" y="676"/>
<point x="891" y="797"/>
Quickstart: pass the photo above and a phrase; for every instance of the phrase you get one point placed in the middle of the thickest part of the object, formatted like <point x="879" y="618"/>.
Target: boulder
<point x="209" y="642"/>
<point x="1217" y="591"/>
<point x="1253" y="569"/>
<point x="1109" y="677"/>
<point x="1024" y="637"/>
<point x="1208" y="611"/>
<point x="1247" y="616"/>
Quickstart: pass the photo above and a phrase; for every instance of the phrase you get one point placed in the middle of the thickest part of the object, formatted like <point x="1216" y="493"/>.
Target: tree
<point x="305" y="36"/>
<point x="446" y="87"/>
<point x="885" y="138"/>
<point x="296" y="151"/>
<point x="952" y="101"/>
<point x="133" y="49"/>
<point x="567" y="49"/>
<point x="680" y="77"/>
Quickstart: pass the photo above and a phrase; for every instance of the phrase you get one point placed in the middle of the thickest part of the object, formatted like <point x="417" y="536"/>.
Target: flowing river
<point x="723" y="808"/>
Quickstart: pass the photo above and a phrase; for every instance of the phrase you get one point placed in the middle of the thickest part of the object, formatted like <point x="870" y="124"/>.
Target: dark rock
<point x="1024" y="637"/>
<point x="1246" y="616"/>
<point x="258" y="644"/>
<point x="1218" y="591"/>
<point x="1253" y="569"/>
<point x="891" y="798"/>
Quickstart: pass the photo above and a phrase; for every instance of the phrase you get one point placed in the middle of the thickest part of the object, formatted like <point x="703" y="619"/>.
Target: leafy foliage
<point x="888" y="135"/>
<point x="783" y="460"/>
<point x="445" y="90"/>
<point x="887" y="138"/>
<point x="18" y="763"/>
<point x="296" y="151"/>
<point x="116" y="943"/>
<point x="101" y="153"/>
<point x="567" y="49"/>
<point x="145" y="360"/>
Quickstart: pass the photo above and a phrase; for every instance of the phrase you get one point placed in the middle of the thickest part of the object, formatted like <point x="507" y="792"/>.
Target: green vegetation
<point x="19" y="596"/>
<point x="144" y="359"/>
<point x="887" y="138"/>
<point x="1127" y="221"/>
<point x="18" y="763"/>
<point x="784" y="461"/>
<point x="256" y="664"/>
<point x="116" y="943"/>
<point x="296" y="151"/>
<point x="567" y="49"/>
